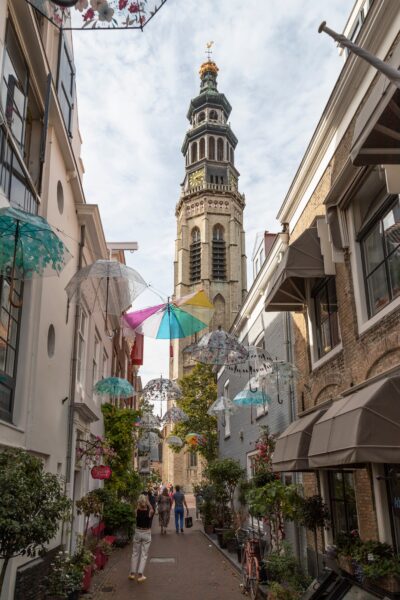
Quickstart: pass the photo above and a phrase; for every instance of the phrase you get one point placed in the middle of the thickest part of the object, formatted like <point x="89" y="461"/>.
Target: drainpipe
<point x="72" y="386"/>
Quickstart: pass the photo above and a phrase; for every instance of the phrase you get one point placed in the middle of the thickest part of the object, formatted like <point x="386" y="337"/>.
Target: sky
<point x="133" y="92"/>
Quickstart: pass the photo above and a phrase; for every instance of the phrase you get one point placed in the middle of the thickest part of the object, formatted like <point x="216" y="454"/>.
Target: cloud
<point x="134" y="89"/>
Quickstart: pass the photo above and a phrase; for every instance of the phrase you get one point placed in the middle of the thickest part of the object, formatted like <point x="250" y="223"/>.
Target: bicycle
<point x="250" y="568"/>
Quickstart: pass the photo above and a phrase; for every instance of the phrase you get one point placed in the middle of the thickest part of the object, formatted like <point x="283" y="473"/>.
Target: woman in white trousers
<point x="141" y="539"/>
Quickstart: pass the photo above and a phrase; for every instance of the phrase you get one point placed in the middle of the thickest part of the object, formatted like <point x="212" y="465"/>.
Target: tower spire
<point x="208" y="72"/>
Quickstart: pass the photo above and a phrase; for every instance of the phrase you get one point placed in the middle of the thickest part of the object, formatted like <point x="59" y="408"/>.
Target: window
<point x="105" y="365"/>
<point x="201" y="118"/>
<point x="227" y="415"/>
<point x="10" y="317"/>
<point x="218" y="254"/>
<point x="392" y="473"/>
<point x="192" y="460"/>
<point x="213" y="115"/>
<point x="343" y="502"/>
<point x="251" y="464"/>
<point x="232" y="154"/>
<point x="220" y="149"/>
<point x="194" y="152"/>
<point x="80" y="371"/>
<point x="96" y="359"/>
<point x="380" y="247"/>
<point x="211" y="148"/>
<point x="202" y="148"/>
<point x="195" y="255"/>
<point x="66" y="84"/>
<point x="14" y="86"/>
<point x="326" y="316"/>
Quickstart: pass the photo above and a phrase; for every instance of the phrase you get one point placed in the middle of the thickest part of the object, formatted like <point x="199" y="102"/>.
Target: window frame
<point x="15" y="314"/>
<point x="323" y="286"/>
<point x="227" y="416"/>
<point x="378" y="218"/>
<point x="192" y="460"/>
<point x="195" y="255"/>
<point x="333" y="500"/>
<point x="96" y="358"/>
<point x="218" y="253"/>
<point x="82" y="347"/>
<point x="68" y="95"/>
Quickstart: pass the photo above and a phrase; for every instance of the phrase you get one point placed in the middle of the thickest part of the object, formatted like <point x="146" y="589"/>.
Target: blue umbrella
<point x="114" y="386"/>
<point x="249" y="396"/>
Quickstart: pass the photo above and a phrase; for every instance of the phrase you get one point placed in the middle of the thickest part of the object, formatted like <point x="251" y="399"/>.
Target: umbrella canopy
<point x="148" y="421"/>
<point x="114" y="386"/>
<point x="258" y="363"/>
<point x="174" y="440"/>
<point x="29" y="246"/>
<point x="161" y="389"/>
<point x="249" y="396"/>
<point x="173" y="320"/>
<point x="98" y="14"/>
<point x="175" y="415"/>
<point x="108" y="285"/>
<point x="219" y="348"/>
<point x="147" y="441"/>
<point x="221" y="405"/>
<point x="195" y="439"/>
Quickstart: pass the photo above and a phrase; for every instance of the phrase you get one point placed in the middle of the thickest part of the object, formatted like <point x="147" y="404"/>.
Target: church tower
<point x="210" y="244"/>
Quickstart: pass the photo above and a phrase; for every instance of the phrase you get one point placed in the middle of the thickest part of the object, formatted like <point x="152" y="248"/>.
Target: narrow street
<point x="180" y="567"/>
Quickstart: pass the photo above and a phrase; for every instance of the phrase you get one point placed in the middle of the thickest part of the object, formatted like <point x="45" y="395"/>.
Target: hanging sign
<point x="101" y="472"/>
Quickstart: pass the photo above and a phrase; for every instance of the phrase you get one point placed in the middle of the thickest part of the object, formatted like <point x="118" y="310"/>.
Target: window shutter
<point x="66" y="84"/>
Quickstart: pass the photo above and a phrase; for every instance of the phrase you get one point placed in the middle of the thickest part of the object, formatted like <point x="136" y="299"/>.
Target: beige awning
<point x="376" y="139"/>
<point x="301" y="261"/>
<point x="291" y="450"/>
<point x="363" y="427"/>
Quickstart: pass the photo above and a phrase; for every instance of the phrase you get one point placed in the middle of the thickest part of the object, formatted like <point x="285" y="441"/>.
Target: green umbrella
<point x="29" y="246"/>
<point x="114" y="386"/>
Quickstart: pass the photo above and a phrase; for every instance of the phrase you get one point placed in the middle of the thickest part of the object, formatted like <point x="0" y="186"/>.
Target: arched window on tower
<point x="218" y="319"/>
<point x="213" y="115"/>
<point x="202" y="148"/>
<point x="218" y="254"/>
<point x="195" y="255"/>
<point x="211" y="148"/>
<point x="232" y="157"/>
<point x="220" y="149"/>
<point x="201" y="117"/>
<point x="194" y="152"/>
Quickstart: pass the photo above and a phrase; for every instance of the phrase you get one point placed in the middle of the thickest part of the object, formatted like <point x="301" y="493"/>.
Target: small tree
<point x="313" y="514"/>
<point x="225" y="472"/>
<point x="90" y="504"/>
<point x="32" y="504"/>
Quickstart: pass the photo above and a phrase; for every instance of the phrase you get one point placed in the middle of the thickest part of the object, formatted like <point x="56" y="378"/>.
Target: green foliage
<point x="284" y="570"/>
<point x="199" y="391"/>
<point x="225" y="472"/>
<point x="65" y="576"/>
<point x="277" y="591"/>
<point x="384" y="567"/>
<point x="32" y="503"/>
<point x="118" y="516"/>
<point x="313" y="512"/>
<point x="347" y="542"/>
<point x="90" y="504"/>
<point x="370" y="551"/>
<point x="118" y="425"/>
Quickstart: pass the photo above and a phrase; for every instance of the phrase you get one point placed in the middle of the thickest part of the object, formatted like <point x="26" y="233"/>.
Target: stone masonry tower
<point x="210" y="244"/>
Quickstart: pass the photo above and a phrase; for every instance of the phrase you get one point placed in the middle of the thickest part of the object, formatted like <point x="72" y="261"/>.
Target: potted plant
<point x="230" y="540"/>
<point x="83" y="559"/>
<point x="286" y="578"/>
<point x="103" y="551"/>
<point x="313" y="514"/>
<point x="346" y="546"/>
<point x="384" y="573"/>
<point x="207" y="511"/>
<point x="65" y="578"/>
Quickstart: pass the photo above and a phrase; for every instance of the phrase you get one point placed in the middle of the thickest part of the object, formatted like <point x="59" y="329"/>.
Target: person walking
<point x="164" y="510"/>
<point x="142" y="539"/>
<point x="180" y="502"/>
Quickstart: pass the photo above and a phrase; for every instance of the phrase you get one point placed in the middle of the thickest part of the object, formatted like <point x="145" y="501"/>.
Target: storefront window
<point x="343" y="502"/>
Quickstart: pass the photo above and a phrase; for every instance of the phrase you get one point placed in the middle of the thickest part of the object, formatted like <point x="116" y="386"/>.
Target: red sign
<point x="101" y="472"/>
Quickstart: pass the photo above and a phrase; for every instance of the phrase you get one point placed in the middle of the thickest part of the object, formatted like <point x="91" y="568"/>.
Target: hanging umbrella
<point x="251" y="395"/>
<point x="148" y="421"/>
<point x="98" y="14"/>
<point x="175" y="415"/>
<point x="258" y="363"/>
<point x="195" y="439"/>
<point x="148" y="441"/>
<point x="175" y="319"/>
<point x="108" y="285"/>
<point x="281" y="375"/>
<point x="222" y="405"/>
<point x="219" y="348"/>
<point x="114" y="386"/>
<point x="161" y="389"/>
<point x="174" y="440"/>
<point x="29" y="246"/>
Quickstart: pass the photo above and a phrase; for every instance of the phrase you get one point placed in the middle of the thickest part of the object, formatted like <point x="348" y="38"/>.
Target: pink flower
<point x="122" y="4"/>
<point x="134" y="7"/>
<point x="142" y="19"/>
<point x="89" y="15"/>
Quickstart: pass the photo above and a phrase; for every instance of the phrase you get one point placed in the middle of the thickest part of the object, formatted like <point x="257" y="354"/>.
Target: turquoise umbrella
<point x="114" y="386"/>
<point x="249" y="396"/>
<point x="29" y="246"/>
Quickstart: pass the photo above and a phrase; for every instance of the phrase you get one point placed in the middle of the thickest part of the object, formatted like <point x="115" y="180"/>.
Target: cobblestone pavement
<point x="195" y="570"/>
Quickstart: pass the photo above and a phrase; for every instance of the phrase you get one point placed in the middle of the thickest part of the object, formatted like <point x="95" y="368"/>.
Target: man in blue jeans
<point x="180" y="502"/>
